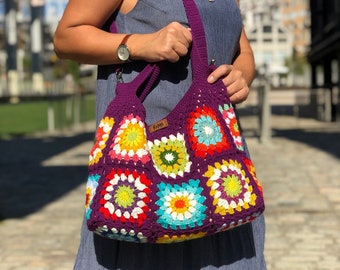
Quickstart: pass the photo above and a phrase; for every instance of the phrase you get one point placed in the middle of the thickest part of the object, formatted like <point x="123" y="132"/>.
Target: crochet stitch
<point x="180" y="180"/>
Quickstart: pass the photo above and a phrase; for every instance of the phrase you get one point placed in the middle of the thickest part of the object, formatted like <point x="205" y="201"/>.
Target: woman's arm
<point x="79" y="36"/>
<point x="245" y="59"/>
<point x="238" y="76"/>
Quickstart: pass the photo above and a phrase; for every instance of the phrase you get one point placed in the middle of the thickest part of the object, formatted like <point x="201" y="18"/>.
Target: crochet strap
<point x="142" y="83"/>
<point x="198" y="55"/>
<point x="199" y="59"/>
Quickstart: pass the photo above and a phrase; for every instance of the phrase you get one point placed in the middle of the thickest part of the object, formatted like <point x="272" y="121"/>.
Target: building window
<point x="267" y="29"/>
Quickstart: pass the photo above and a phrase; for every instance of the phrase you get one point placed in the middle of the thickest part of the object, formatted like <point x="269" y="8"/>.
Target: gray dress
<point x="240" y="248"/>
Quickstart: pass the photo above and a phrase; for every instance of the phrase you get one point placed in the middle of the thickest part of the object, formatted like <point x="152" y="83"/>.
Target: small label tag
<point x="158" y="125"/>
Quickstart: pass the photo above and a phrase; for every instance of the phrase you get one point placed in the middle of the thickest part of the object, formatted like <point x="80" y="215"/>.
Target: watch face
<point x="123" y="52"/>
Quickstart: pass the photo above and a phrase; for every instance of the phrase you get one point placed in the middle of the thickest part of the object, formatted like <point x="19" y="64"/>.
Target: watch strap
<point x="125" y="39"/>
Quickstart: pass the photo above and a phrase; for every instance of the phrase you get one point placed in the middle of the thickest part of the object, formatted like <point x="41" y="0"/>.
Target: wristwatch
<point x="123" y="52"/>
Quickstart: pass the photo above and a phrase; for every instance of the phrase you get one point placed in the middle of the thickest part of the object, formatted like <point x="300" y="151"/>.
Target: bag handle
<point x="142" y="83"/>
<point x="199" y="56"/>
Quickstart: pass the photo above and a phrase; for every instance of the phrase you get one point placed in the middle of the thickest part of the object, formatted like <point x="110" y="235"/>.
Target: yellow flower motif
<point x="130" y="141"/>
<point x="132" y="138"/>
<point x="124" y="196"/>
<point x="166" y="239"/>
<point x="230" y="187"/>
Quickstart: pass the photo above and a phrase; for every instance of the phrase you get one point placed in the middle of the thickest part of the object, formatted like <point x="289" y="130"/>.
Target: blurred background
<point x="296" y="47"/>
<point x="37" y="90"/>
<point x="291" y="122"/>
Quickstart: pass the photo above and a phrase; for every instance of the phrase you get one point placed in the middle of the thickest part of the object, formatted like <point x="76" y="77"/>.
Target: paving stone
<point x="299" y="171"/>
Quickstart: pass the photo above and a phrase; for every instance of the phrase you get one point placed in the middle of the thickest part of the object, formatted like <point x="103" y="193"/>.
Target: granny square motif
<point x="182" y="178"/>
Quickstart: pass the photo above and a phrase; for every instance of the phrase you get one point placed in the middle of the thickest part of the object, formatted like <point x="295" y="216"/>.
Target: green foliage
<point x="300" y="66"/>
<point x="27" y="63"/>
<point x="297" y="63"/>
<point x="73" y="68"/>
<point x="63" y="67"/>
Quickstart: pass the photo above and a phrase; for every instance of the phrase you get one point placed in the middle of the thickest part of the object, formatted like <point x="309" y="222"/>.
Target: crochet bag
<point x="184" y="177"/>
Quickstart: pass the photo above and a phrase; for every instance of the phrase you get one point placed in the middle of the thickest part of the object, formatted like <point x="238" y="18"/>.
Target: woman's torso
<point x="233" y="249"/>
<point x="222" y="24"/>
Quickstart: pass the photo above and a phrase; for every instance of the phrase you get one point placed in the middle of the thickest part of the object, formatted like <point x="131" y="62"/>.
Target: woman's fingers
<point x="172" y="42"/>
<point x="234" y="81"/>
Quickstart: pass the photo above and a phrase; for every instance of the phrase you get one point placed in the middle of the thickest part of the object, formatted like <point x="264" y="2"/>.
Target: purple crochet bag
<point x="184" y="177"/>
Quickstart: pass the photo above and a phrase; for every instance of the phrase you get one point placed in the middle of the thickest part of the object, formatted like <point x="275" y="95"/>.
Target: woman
<point x="160" y="32"/>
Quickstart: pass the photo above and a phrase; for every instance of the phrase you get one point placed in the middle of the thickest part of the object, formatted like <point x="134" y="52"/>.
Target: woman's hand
<point x="169" y="44"/>
<point x="233" y="79"/>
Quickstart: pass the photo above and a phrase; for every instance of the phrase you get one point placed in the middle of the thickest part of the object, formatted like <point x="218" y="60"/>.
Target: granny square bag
<point x="184" y="177"/>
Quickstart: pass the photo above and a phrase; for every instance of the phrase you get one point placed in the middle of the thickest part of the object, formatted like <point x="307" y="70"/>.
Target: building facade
<point x="270" y="43"/>
<point x="276" y="31"/>
<point x="324" y="57"/>
<point x="295" y="18"/>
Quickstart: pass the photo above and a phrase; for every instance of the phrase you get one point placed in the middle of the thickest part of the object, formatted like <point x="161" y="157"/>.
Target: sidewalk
<point x="299" y="170"/>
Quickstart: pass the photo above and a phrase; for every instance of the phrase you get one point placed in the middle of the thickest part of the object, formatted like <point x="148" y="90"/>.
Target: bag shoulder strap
<point x="199" y="56"/>
<point x="199" y="45"/>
